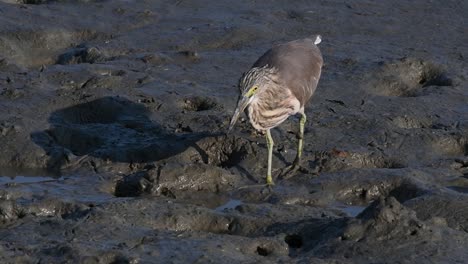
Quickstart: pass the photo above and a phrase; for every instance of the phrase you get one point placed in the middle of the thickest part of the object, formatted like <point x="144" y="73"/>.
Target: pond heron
<point x="278" y="85"/>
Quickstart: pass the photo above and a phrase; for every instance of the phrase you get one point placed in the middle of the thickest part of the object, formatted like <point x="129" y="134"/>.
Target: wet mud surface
<point x="113" y="147"/>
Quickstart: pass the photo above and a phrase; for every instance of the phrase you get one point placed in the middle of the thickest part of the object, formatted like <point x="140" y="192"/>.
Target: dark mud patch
<point x="407" y="77"/>
<point x="450" y="207"/>
<point x="9" y="211"/>
<point x="402" y="191"/>
<point x="221" y="151"/>
<point x="340" y="160"/>
<point x="450" y="144"/>
<point x="176" y="57"/>
<point x="294" y="241"/>
<point x="81" y="55"/>
<point x="412" y="122"/>
<point x="383" y="221"/>
<point x="172" y="179"/>
<point x="303" y="236"/>
<point x="233" y="38"/>
<point x="188" y="55"/>
<point x="209" y="158"/>
<point x="197" y="104"/>
<point x="13" y="210"/>
<point x="27" y="47"/>
<point x="52" y="207"/>
<point x="203" y="166"/>
<point x="461" y="165"/>
<point x="376" y="217"/>
<point x="359" y="187"/>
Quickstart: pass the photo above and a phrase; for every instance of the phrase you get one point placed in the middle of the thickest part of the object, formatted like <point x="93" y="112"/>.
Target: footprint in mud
<point x="197" y="104"/>
<point x="407" y="77"/>
<point x="225" y="151"/>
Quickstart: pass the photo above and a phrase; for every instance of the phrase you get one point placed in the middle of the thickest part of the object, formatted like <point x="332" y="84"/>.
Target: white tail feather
<point x="318" y="40"/>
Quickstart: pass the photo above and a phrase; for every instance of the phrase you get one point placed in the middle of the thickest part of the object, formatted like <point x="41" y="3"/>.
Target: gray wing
<point x="299" y="64"/>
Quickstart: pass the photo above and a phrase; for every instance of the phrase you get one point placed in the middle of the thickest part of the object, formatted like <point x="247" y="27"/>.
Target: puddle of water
<point x="21" y="175"/>
<point x="231" y="204"/>
<point x="459" y="189"/>
<point x="25" y="179"/>
<point x="12" y="171"/>
<point x="350" y="210"/>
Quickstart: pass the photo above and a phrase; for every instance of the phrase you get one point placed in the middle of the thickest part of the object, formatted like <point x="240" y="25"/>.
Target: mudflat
<point x="113" y="146"/>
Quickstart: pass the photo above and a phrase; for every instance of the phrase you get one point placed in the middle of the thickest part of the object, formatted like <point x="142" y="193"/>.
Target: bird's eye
<point x="252" y="91"/>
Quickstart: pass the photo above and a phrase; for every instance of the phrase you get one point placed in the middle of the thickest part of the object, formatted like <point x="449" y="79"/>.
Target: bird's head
<point x="250" y="84"/>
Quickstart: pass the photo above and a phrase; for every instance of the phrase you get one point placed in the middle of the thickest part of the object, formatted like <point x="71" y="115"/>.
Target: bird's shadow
<point x="111" y="128"/>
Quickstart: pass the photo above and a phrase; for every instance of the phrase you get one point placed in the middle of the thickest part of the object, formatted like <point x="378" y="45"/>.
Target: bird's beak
<point x="241" y="105"/>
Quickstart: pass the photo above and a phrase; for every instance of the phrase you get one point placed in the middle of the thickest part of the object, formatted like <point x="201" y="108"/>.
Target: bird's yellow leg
<point x="270" y="144"/>
<point x="269" y="178"/>
<point x="300" y="143"/>
<point x="289" y="171"/>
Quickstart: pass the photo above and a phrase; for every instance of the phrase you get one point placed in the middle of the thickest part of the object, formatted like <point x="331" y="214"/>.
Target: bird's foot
<point x="289" y="171"/>
<point x="267" y="186"/>
<point x="264" y="188"/>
